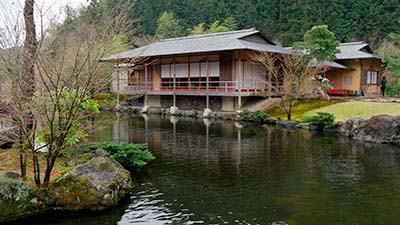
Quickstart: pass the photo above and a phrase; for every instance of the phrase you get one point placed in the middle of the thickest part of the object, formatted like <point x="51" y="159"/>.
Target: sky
<point x="10" y="10"/>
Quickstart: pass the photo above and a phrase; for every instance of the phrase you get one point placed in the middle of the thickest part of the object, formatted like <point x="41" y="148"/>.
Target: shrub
<point x="393" y="90"/>
<point x="321" y="120"/>
<point x="257" y="116"/>
<point x="131" y="156"/>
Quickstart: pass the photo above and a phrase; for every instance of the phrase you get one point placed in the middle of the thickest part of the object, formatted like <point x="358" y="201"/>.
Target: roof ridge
<point x="352" y="43"/>
<point x="208" y="35"/>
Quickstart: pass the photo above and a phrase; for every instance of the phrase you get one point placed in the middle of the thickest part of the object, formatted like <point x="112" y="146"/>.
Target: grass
<point x="9" y="162"/>
<point x="346" y="110"/>
<point x="108" y="100"/>
<point x="300" y="108"/>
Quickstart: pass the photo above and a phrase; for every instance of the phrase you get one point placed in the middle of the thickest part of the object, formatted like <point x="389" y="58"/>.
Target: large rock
<point x="289" y="124"/>
<point x="99" y="183"/>
<point x="378" y="129"/>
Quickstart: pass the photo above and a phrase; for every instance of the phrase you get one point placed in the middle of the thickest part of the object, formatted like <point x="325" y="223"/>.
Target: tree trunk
<point x="36" y="169"/>
<point x="28" y="81"/>
<point x="30" y="48"/>
<point x="49" y="168"/>
<point x="22" y="157"/>
<point x="289" y="112"/>
<point x="22" y="163"/>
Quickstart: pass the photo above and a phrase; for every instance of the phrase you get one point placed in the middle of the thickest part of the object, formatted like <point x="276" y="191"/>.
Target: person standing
<point x="383" y="85"/>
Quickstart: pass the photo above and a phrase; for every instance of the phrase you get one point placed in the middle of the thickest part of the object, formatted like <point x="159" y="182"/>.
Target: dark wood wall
<point x="225" y="66"/>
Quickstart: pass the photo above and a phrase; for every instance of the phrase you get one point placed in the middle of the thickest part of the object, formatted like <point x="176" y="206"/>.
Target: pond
<point x="219" y="172"/>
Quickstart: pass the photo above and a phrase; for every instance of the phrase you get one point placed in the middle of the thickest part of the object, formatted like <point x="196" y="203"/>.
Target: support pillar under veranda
<point x="239" y="79"/>
<point x="207" y="110"/>
<point x="239" y="104"/>
<point x="146" y="105"/>
<point x="174" y="110"/>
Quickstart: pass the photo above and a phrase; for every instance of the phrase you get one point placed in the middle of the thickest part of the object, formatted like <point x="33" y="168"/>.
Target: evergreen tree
<point x="217" y="27"/>
<point x="284" y="21"/>
<point x="319" y="43"/>
<point x="392" y="59"/>
<point x="168" y="26"/>
<point x="230" y="23"/>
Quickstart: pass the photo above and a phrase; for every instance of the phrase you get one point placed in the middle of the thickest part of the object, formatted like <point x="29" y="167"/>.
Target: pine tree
<point x="319" y="43"/>
<point x="230" y="23"/>
<point x="168" y="26"/>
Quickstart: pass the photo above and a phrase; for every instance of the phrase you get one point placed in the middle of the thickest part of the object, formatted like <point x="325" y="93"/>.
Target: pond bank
<point x="381" y="129"/>
<point x="230" y="116"/>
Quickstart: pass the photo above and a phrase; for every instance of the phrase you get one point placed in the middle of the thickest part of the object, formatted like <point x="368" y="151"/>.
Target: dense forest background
<point x="283" y="21"/>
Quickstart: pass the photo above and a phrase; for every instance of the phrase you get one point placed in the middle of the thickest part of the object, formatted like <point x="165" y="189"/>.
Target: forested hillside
<point x="284" y="21"/>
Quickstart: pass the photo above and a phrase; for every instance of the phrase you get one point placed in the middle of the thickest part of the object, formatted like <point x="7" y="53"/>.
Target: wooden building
<point x="215" y="71"/>
<point x="359" y="71"/>
<point x="211" y="71"/>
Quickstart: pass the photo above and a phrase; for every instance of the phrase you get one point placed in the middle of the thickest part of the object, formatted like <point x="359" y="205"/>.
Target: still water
<point x="214" y="172"/>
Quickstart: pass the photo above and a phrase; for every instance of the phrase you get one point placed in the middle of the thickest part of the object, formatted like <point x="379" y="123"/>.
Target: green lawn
<point x="300" y="108"/>
<point x="346" y="110"/>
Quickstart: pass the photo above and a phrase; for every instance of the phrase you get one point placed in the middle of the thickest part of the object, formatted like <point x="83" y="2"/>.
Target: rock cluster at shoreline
<point x="377" y="129"/>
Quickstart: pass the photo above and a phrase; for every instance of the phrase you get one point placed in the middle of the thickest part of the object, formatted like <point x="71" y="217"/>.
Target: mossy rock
<point x="99" y="183"/>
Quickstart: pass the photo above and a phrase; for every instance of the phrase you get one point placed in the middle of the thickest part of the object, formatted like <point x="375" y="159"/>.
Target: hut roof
<point x="355" y="50"/>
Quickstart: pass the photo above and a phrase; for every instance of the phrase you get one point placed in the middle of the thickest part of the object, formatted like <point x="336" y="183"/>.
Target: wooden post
<point x="174" y="83"/>
<point x="146" y="85"/>
<point x="118" y="106"/>
<point x="207" y="83"/>
<point x="362" y="74"/>
<point x="189" y="85"/>
<point x="240" y="74"/>
<point x="169" y="77"/>
<point x="200" y="74"/>
<point x="239" y="108"/>
<point x="161" y="83"/>
<point x="239" y="83"/>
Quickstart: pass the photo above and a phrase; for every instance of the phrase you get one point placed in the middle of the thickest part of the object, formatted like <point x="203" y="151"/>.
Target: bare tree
<point x="293" y="76"/>
<point x="67" y="71"/>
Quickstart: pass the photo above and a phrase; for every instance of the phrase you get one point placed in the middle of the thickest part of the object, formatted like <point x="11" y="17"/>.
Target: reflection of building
<point x="120" y="130"/>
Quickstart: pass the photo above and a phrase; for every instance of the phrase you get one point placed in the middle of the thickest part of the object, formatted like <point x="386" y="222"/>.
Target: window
<point x="348" y="80"/>
<point x="196" y="70"/>
<point x="372" y="77"/>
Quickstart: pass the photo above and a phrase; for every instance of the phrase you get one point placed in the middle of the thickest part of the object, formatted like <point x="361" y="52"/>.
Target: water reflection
<point x="213" y="172"/>
<point x="219" y="172"/>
